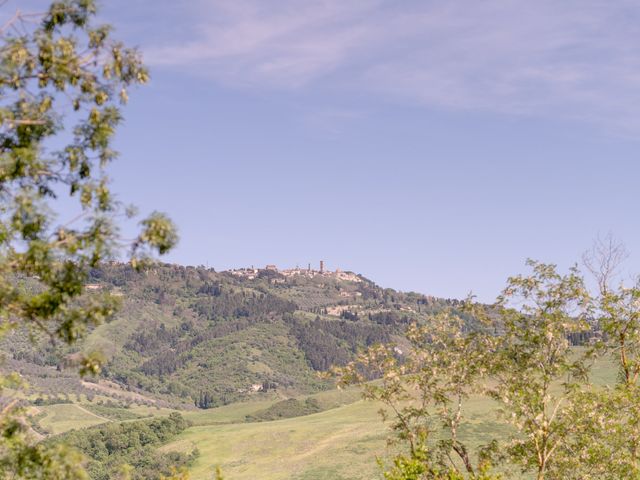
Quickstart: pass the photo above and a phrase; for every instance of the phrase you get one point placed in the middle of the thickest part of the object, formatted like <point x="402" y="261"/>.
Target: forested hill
<point x="195" y="336"/>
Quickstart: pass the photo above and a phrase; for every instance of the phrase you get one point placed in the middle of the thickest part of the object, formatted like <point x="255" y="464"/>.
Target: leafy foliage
<point x="424" y="390"/>
<point x="566" y="427"/>
<point x="533" y="354"/>
<point x="289" y="408"/>
<point x="112" y="446"/>
<point x="62" y="81"/>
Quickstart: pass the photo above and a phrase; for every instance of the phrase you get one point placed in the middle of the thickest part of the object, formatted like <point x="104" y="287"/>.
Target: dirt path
<point x="80" y="407"/>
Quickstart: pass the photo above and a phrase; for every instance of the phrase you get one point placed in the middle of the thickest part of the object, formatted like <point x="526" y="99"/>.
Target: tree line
<point x="114" y="449"/>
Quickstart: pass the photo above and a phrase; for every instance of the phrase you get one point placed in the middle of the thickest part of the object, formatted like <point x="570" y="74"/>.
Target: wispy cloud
<point x="574" y="59"/>
<point x="287" y="44"/>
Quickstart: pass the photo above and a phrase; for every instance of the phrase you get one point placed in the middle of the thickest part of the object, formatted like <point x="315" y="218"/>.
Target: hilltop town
<point x="251" y="272"/>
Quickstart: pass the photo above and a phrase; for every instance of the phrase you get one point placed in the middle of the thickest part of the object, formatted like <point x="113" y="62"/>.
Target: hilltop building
<point x="251" y="273"/>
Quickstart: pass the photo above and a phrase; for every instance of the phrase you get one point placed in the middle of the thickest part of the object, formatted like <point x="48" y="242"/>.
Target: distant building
<point x="251" y="273"/>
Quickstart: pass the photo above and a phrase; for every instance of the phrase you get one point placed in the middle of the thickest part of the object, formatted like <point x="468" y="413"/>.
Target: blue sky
<point x="430" y="145"/>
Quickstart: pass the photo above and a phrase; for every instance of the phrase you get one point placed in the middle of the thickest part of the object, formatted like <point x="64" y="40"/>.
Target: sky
<point x="432" y="146"/>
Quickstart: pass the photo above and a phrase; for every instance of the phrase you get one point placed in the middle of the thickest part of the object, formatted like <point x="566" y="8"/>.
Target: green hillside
<point x="237" y="355"/>
<point x="187" y="336"/>
<point x="340" y="442"/>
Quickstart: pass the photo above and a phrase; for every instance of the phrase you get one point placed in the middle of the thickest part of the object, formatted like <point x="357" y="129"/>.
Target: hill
<point x="190" y="336"/>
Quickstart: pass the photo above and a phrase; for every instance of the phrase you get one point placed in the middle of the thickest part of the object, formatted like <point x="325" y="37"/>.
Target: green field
<point x="68" y="416"/>
<point x="339" y="443"/>
<point x="60" y="418"/>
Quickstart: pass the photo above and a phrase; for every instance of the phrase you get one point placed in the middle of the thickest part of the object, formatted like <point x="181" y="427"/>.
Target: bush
<point x="286" y="409"/>
<point x="112" y="445"/>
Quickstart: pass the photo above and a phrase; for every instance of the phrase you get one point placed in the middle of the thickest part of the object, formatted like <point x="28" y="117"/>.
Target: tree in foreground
<point x="609" y="418"/>
<point x="602" y="437"/>
<point x="62" y="82"/>
<point x="536" y="373"/>
<point x="422" y="391"/>
<point x="564" y="426"/>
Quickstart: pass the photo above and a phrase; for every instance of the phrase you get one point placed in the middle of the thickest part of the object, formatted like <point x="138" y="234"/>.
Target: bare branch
<point x="15" y="122"/>
<point x="603" y="260"/>
<point x="11" y="21"/>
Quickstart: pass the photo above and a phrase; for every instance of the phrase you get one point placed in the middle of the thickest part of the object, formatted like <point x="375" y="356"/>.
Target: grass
<point x="340" y="443"/>
<point x="112" y="413"/>
<point x="61" y="418"/>
<point x="67" y="416"/>
<point x="337" y="443"/>
<point x="234" y="413"/>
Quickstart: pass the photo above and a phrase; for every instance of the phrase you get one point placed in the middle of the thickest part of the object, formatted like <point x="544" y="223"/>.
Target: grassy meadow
<point x="339" y="443"/>
<point x="67" y="416"/>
